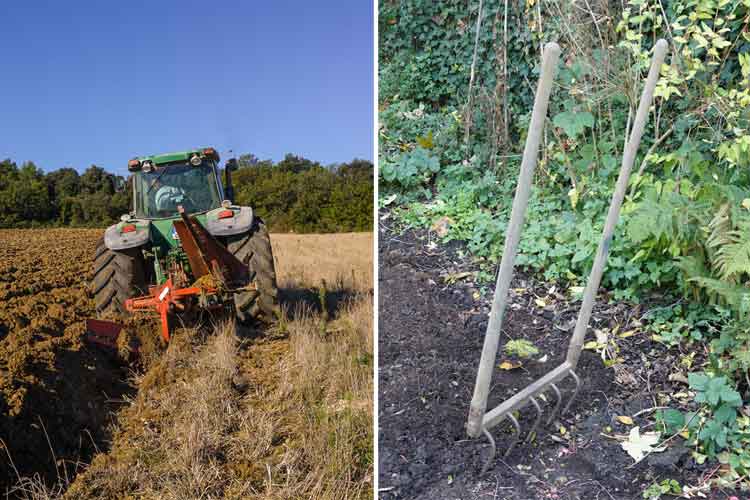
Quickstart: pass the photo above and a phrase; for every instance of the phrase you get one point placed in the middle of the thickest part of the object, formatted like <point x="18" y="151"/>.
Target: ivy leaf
<point x="573" y="123"/>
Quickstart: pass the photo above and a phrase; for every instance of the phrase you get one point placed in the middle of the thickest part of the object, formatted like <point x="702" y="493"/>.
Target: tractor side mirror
<point x="230" y="167"/>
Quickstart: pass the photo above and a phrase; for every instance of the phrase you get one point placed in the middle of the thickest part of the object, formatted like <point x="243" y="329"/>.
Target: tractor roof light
<point x="211" y="153"/>
<point x="195" y="160"/>
<point x="134" y="165"/>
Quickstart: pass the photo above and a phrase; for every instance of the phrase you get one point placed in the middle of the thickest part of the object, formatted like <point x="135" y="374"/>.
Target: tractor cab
<point x="163" y="183"/>
<point x="184" y="248"/>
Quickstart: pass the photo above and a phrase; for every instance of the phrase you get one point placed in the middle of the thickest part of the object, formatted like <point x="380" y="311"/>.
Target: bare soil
<point x="431" y="330"/>
<point x="56" y="394"/>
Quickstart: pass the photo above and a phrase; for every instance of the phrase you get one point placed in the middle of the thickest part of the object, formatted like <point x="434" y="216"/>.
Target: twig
<point x="505" y="74"/>
<point x="467" y="124"/>
<point x="637" y="414"/>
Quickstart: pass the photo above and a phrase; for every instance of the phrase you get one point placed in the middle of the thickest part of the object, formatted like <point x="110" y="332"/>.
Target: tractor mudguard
<point x="122" y="235"/>
<point x="239" y="222"/>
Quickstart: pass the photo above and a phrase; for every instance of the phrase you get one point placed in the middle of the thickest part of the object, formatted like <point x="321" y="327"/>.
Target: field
<point x="283" y="412"/>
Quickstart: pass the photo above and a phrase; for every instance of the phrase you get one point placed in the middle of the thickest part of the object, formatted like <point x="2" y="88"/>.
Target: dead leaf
<point x="452" y="278"/>
<point x="639" y="445"/>
<point x="510" y="365"/>
<point x="678" y="377"/>
<point x="601" y="336"/>
<point x="624" y="419"/>
<point x="441" y="226"/>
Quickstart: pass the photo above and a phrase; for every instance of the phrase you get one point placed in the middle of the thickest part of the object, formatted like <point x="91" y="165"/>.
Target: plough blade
<point x="102" y="332"/>
<point x="480" y="420"/>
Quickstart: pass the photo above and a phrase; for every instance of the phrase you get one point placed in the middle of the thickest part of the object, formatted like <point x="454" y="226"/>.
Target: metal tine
<point x="536" y="422"/>
<point x="575" y="391"/>
<point x="557" y="405"/>
<point x="517" y="435"/>
<point x="493" y="451"/>
<point x="493" y="445"/>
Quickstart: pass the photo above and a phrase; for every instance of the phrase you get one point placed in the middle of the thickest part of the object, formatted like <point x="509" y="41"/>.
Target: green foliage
<point x="572" y="123"/>
<point x="686" y="323"/>
<point x="426" y="49"/>
<point x="520" y="347"/>
<point x="412" y="169"/>
<point x="30" y="198"/>
<point x="666" y="487"/>
<point x="294" y="194"/>
<point x="300" y="195"/>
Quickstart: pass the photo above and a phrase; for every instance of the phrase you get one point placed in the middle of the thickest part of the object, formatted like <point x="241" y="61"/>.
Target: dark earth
<point x="432" y="321"/>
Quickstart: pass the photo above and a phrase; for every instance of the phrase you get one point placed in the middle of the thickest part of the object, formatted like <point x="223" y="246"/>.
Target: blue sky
<point x="86" y="83"/>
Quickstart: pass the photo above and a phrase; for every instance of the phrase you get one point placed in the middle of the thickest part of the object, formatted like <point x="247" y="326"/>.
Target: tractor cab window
<point x="159" y="192"/>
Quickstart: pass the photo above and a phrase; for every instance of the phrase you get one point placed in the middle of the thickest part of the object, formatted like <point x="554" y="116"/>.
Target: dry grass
<point x="344" y="259"/>
<point x="283" y="414"/>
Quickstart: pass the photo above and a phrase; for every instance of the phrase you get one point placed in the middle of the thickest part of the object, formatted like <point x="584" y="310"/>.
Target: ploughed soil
<point x="56" y="394"/>
<point x="432" y="322"/>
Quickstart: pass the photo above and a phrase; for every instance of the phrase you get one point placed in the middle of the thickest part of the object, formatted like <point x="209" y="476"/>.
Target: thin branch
<point x="467" y="124"/>
<point x="505" y="75"/>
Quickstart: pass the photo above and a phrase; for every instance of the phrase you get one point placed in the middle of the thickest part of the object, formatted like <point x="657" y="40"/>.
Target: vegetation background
<point x="457" y="80"/>
<point x="294" y="194"/>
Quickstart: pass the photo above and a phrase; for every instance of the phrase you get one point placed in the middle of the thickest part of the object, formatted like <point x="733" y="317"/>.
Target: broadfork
<point x="480" y="420"/>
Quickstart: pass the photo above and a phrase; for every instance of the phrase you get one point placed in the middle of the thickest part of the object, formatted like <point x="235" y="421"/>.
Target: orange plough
<point x="217" y="273"/>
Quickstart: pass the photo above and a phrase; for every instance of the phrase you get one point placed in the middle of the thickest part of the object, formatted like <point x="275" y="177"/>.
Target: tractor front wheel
<point x="118" y="276"/>
<point x="254" y="250"/>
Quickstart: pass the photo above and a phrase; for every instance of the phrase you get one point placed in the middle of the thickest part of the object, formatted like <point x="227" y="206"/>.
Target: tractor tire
<point x="118" y="276"/>
<point x="254" y="250"/>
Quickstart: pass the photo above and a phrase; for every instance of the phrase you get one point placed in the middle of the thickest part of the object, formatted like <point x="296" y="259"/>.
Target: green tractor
<point x="184" y="246"/>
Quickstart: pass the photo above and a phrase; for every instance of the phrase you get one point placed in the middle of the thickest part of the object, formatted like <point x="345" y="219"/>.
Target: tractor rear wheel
<point x="118" y="276"/>
<point x="254" y="250"/>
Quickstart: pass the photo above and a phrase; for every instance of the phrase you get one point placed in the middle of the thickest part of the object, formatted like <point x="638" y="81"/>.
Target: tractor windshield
<point x="159" y="192"/>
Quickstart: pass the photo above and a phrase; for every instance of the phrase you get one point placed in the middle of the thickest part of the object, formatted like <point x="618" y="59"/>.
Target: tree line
<point x="294" y="194"/>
